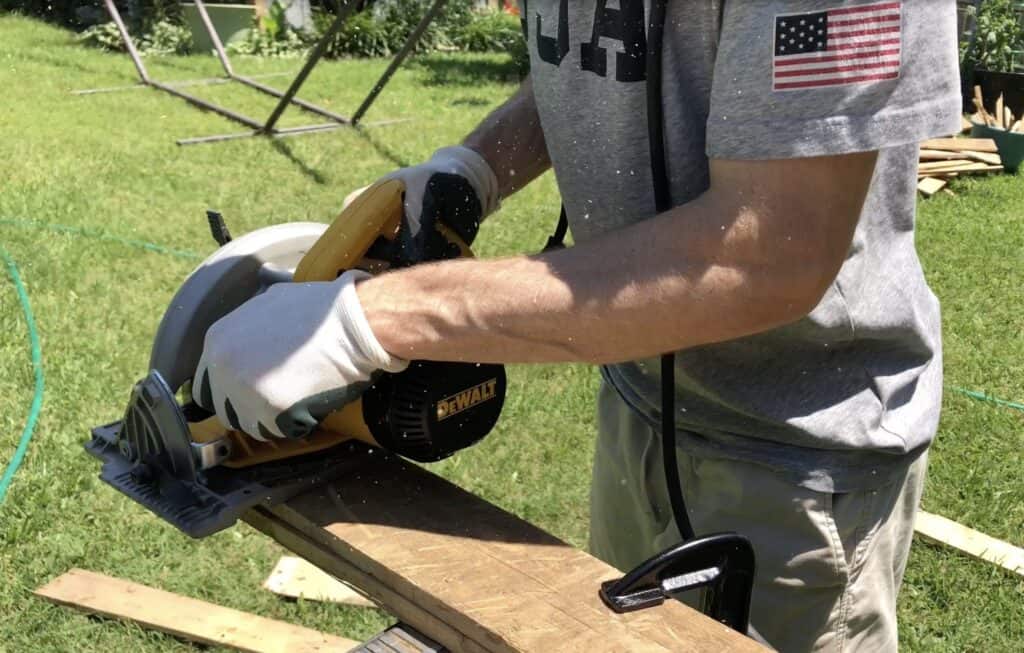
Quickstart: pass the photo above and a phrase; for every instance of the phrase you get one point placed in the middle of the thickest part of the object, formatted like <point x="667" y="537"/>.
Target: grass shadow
<point x="381" y="147"/>
<point x="303" y="167"/>
<point x="54" y="58"/>
<point x="466" y="71"/>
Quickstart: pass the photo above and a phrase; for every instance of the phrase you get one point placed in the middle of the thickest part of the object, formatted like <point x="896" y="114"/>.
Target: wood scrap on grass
<point x="929" y="186"/>
<point x="181" y="616"/>
<point x="295" y="578"/>
<point x="970" y="541"/>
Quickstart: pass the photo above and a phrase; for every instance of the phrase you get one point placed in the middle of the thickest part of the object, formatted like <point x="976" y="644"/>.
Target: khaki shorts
<point x="829" y="566"/>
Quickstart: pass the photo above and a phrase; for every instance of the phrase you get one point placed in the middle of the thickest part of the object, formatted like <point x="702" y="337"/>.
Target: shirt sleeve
<point x="802" y="78"/>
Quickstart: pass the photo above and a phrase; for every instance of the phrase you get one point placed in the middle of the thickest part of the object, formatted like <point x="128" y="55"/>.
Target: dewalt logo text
<point x="466" y="399"/>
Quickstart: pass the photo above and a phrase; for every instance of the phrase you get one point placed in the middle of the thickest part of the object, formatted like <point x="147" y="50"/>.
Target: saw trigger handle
<point x="376" y="212"/>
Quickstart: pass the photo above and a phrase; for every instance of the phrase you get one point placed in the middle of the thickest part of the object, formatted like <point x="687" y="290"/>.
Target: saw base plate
<point x="218" y="499"/>
<point x="148" y="457"/>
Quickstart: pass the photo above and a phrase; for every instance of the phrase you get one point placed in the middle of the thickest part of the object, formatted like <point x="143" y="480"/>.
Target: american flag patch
<point x="849" y="45"/>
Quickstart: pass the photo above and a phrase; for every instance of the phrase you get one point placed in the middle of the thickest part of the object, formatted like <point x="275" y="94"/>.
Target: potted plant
<point x="993" y="55"/>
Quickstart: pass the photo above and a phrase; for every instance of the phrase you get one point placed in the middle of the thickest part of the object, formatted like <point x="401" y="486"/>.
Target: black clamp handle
<point x="722" y="564"/>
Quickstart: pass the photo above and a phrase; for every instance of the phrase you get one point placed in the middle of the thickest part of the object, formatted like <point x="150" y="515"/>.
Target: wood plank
<point x="929" y="186"/>
<point x="960" y="144"/>
<point x="296" y="578"/>
<point x="970" y="541"/>
<point x="951" y="166"/>
<point x="939" y="155"/>
<point x="930" y="169"/>
<point x="470" y="575"/>
<point x="962" y="155"/>
<point x="191" y="619"/>
<point x="316" y="547"/>
<point x="1000" y="115"/>
<point x="984" y="157"/>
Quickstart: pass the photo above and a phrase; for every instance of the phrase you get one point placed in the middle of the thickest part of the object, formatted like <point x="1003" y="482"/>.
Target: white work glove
<point x="284" y="360"/>
<point x="455" y="187"/>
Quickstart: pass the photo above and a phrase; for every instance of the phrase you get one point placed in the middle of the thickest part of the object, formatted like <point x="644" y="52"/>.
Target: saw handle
<point x="376" y="212"/>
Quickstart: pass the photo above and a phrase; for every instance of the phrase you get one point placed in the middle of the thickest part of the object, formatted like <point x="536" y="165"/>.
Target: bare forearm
<point x="708" y="271"/>
<point x="512" y="142"/>
<point x="598" y="302"/>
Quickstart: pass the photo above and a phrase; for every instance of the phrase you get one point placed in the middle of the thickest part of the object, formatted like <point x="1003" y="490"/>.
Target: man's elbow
<point x="795" y="287"/>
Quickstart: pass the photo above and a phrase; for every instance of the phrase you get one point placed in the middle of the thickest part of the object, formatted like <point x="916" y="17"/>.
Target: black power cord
<point x="662" y="203"/>
<point x="722" y="565"/>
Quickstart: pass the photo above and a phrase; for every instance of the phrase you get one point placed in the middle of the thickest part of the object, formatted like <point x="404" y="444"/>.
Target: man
<point x="809" y="359"/>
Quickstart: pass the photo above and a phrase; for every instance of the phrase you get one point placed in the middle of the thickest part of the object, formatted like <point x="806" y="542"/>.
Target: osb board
<point x="470" y="575"/>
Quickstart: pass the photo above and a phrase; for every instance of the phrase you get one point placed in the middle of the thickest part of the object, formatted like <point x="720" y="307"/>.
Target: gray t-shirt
<point x="848" y="396"/>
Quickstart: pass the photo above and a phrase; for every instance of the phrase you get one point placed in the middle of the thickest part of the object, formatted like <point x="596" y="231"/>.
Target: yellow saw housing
<point x="375" y="213"/>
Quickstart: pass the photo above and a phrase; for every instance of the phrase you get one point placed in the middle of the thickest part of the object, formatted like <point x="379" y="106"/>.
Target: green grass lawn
<point x="80" y="176"/>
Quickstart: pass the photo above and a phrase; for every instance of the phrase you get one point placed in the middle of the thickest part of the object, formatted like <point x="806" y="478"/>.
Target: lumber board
<point x="979" y="100"/>
<point x="959" y="144"/>
<point x="468" y="574"/>
<point x="181" y="616"/>
<point x="970" y="541"/>
<point x="929" y="169"/>
<point x="929" y="186"/>
<point x="984" y="157"/>
<point x="946" y="166"/>
<point x="296" y="578"/>
<point x="939" y="155"/>
<point x="962" y="155"/>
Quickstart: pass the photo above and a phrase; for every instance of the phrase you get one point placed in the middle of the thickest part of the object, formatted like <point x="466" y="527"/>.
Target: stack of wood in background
<point x="945" y="158"/>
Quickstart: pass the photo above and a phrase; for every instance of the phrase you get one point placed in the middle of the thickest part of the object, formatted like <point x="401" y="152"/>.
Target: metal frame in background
<point x="285" y="98"/>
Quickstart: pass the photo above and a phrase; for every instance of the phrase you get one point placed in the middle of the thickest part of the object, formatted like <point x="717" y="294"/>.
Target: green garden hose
<point x="37" y="368"/>
<point x="26" y="308"/>
<point x="981" y="396"/>
<point x="102" y="235"/>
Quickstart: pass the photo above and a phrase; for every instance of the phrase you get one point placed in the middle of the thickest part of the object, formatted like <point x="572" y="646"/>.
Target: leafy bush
<point x="163" y="38"/>
<point x="496" y="31"/>
<point x="381" y="30"/>
<point x="360" y="36"/>
<point x="401" y="17"/>
<point x="1000" y="34"/>
<point x="261" y="44"/>
<point x="490" y="31"/>
<point x="104" y="35"/>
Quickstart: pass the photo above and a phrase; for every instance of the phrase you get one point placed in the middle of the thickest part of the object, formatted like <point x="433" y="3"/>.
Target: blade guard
<point x="149" y="456"/>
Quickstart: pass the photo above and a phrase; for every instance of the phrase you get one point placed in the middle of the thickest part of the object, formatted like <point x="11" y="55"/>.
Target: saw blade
<point x="236" y="272"/>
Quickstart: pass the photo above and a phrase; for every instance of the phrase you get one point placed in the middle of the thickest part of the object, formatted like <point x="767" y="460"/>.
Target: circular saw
<point x="181" y="463"/>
